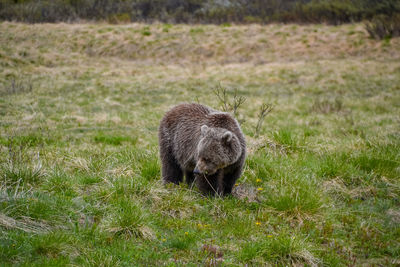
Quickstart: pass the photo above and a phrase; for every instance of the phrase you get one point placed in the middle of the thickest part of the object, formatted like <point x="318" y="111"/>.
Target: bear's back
<point x="185" y="114"/>
<point x="189" y="117"/>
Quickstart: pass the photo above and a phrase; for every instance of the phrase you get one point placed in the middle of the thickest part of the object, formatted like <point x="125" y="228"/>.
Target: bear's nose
<point x="196" y="171"/>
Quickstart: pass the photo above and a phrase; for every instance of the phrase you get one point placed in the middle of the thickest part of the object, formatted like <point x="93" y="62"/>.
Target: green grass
<point x="80" y="182"/>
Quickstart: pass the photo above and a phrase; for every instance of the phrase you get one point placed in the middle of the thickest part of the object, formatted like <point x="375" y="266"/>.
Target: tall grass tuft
<point x="296" y="195"/>
<point x="283" y="248"/>
<point x="128" y="220"/>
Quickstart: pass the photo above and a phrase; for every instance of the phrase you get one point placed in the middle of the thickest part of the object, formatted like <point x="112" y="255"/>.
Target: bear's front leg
<point x="170" y="170"/>
<point x="230" y="179"/>
<point x="189" y="177"/>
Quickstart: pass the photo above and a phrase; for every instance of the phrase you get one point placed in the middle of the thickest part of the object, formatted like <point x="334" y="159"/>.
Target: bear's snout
<point x="203" y="168"/>
<point x="196" y="171"/>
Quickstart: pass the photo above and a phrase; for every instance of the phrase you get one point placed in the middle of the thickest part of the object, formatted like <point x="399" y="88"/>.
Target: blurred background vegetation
<point x="199" y="11"/>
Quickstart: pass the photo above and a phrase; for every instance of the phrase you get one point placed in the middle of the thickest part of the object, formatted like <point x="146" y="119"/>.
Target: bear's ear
<point x="227" y="137"/>
<point x="204" y="129"/>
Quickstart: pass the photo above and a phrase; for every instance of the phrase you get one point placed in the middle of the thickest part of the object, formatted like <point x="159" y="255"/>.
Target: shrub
<point x="384" y="27"/>
<point x="332" y="12"/>
<point x="119" y="18"/>
<point x="196" y="11"/>
<point x="38" y="11"/>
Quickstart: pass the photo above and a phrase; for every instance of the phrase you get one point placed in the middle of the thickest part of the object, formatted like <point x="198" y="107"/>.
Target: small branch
<point x="221" y="93"/>
<point x="237" y="102"/>
<point x="265" y="109"/>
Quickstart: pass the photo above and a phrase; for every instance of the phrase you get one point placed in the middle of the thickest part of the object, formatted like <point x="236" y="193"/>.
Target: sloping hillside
<point x="79" y="170"/>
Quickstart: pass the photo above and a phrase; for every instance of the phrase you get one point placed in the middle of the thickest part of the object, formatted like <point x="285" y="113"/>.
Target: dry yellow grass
<point x="188" y="45"/>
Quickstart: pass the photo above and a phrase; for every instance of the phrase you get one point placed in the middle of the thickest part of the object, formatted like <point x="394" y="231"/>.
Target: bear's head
<point x="216" y="149"/>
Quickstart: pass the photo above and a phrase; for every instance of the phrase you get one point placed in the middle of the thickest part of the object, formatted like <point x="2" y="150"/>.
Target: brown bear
<point x="205" y="145"/>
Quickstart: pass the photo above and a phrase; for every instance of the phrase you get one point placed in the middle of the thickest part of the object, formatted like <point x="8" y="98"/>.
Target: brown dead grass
<point x="24" y="223"/>
<point x="183" y="44"/>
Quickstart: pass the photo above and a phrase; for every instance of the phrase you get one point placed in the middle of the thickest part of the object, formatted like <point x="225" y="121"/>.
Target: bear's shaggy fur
<point x="205" y="145"/>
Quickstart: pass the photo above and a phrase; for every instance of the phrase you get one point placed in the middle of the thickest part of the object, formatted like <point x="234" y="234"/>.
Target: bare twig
<point x="237" y="102"/>
<point x="265" y="109"/>
<point x="229" y="105"/>
<point x="17" y="85"/>
<point x="221" y="93"/>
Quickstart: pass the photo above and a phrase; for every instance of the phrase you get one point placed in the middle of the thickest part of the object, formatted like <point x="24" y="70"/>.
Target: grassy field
<point x="79" y="170"/>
